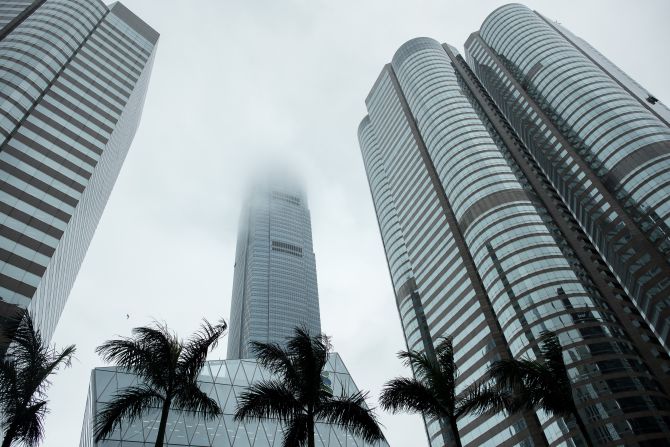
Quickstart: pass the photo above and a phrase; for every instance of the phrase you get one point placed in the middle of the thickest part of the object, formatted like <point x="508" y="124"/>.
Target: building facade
<point x="482" y="245"/>
<point x="73" y="77"/>
<point x="274" y="284"/>
<point x="610" y="141"/>
<point x="222" y="380"/>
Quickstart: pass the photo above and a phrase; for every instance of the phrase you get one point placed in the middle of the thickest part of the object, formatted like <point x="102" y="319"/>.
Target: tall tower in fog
<point x="274" y="285"/>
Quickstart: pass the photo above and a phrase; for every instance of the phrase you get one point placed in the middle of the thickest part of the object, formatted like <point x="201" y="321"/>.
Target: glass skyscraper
<point x="274" y="284"/>
<point x="73" y="77"/>
<point x="485" y="183"/>
<point x="274" y="291"/>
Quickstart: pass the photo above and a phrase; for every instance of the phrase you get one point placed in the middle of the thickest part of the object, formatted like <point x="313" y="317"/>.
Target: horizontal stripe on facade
<point x="76" y="136"/>
<point x="53" y="99"/>
<point x="489" y="202"/>
<point x="34" y="201"/>
<point x="627" y="164"/>
<point x="108" y="35"/>
<point x="69" y="148"/>
<point x="37" y="183"/>
<point x="26" y="241"/>
<point x="29" y="220"/>
<point x="71" y="115"/>
<point x="16" y="286"/>
<point x="86" y="84"/>
<point x="51" y="172"/>
<point x="37" y="147"/>
<point x="115" y="84"/>
<point x="119" y="52"/>
<point x="22" y="263"/>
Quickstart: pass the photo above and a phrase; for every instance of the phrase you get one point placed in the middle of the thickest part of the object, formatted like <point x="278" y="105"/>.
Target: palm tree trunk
<point x="582" y="428"/>
<point x="454" y="432"/>
<point x="160" y="438"/>
<point x="310" y="431"/>
<point x="9" y="436"/>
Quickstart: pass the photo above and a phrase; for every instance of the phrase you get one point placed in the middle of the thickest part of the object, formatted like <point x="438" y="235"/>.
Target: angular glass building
<point x="274" y="284"/>
<point x="73" y="77"/>
<point x="223" y="380"/>
<point x="484" y="244"/>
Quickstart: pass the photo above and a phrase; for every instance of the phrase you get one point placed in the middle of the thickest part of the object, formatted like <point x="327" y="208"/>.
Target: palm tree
<point x="24" y="379"/>
<point x="432" y="391"/>
<point x="167" y="368"/>
<point x="531" y="384"/>
<point x="299" y="398"/>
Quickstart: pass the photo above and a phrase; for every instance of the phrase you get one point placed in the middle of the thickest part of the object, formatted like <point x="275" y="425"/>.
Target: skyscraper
<point x="73" y="77"/>
<point x="482" y="245"/>
<point x="600" y="138"/>
<point x="274" y="285"/>
<point x="274" y="291"/>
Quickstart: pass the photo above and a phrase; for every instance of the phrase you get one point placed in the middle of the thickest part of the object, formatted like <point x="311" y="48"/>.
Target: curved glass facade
<point x="10" y="10"/>
<point x="621" y="140"/>
<point x="430" y="125"/>
<point x="435" y="290"/>
<point x="605" y="149"/>
<point x="274" y="284"/>
<point x="73" y="77"/>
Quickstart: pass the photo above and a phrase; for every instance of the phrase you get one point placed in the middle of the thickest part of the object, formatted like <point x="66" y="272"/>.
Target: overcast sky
<point x="237" y="82"/>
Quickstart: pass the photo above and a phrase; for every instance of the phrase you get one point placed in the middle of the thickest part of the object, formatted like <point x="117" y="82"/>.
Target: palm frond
<point x="417" y="361"/>
<point x="27" y="348"/>
<point x="127" y="405"/>
<point x="24" y="376"/>
<point x="278" y="361"/>
<point x="309" y="355"/>
<point x="542" y="383"/>
<point x="163" y="343"/>
<point x="552" y="354"/>
<point x="267" y="399"/>
<point x="352" y="414"/>
<point x="195" y="350"/>
<point x="296" y="432"/>
<point x="31" y="429"/>
<point x="136" y="356"/>
<point x="445" y="356"/>
<point x="303" y="345"/>
<point x="8" y="387"/>
<point x="480" y="398"/>
<point x="53" y="362"/>
<point x="404" y="394"/>
<point x="428" y="369"/>
<point x="517" y="374"/>
<point x="191" y="399"/>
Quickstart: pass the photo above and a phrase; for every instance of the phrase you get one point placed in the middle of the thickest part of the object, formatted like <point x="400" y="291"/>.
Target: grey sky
<point x="236" y="82"/>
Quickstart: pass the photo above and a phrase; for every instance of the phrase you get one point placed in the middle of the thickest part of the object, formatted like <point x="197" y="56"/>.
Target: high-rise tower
<point x="274" y="285"/>
<point x="601" y="139"/>
<point x="274" y="291"/>
<point x="73" y="77"/>
<point x="481" y="247"/>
